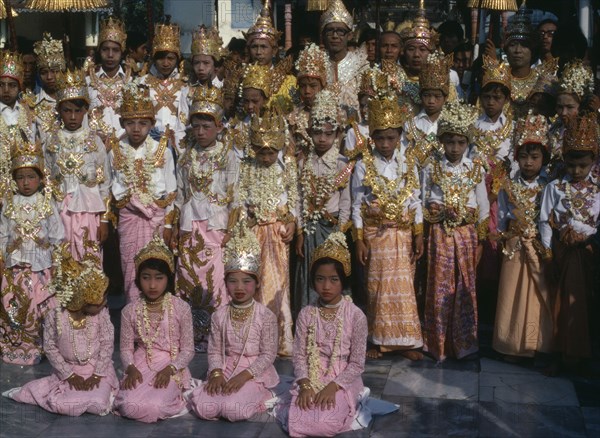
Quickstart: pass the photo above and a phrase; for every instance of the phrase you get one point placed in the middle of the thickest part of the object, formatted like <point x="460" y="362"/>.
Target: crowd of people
<point x="243" y="192"/>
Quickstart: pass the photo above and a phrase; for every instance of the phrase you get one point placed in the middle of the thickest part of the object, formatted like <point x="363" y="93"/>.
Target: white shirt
<point x="350" y="144"/>
<point x="108" y="99"/>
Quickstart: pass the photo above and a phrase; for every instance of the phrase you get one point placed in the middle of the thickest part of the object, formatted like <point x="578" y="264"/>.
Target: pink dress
<point x="171" y="343"/>
<point x="343" y="365"/>
<point x="83" y="352"/>
<point x="252" y="347"/>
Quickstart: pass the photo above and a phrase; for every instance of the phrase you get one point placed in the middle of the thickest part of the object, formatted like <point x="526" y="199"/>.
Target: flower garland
<point x="201" y="180"/>
<point x="88" y="338"/>
<point x="138" y="172"/>
<point x="144" y="327"/>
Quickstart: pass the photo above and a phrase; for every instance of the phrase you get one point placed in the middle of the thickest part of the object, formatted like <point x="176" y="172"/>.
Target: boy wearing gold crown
<point x="388" y="230"/>
<point x="78" y="164"/>
<point x="569" y="220"/>
<point x="268" y="192"/>
<point x="207" y="173"/>
<point x="524" y="313"/>
<point x="79" y="343"/>
<point x="207" y="54"/>
<point x="324" y="201"/>
<point x="168" y="87"/>
<point x="456" y="205"/>
<point x="30" y="228"/>
<point x="105" y="82"/>
<point x="143" y="182"/>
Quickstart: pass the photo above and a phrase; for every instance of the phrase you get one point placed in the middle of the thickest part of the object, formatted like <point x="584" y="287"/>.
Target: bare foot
<point x="374" y="353"/>
<point x="413" y="355"/>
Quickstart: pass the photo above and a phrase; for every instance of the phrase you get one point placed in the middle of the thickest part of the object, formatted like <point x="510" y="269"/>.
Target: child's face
<point x="205" y="132"/>
<point x="94" y="309"/>
<point x="455" y="146"/>
<point x="309" y="87"/>
<point x="328" y="283"/>
<point x="579" y="168"/>
<point x="363" y="106"/>
<point x="9" y="91"/>
<point x="71" y="115"/>
<point x="110" y="55"/>
<point x="266" y="157"/>
<point x="262" y="51"/>
<point x="493" y="102"/>
<point x="386" y="141"/>
<point x="253" y="100"/>
<point x="48" y="79"/>
<point x="323" y="138"/>
<point x="241" y="287"/>
<point x="204" y="67"/>
<point x="137" y="130"/>
<point x="154" y="283"/>
<point x="566" y="106"/>
<point x="166" y="64"/>
<point x="433" y="101"/>
<point x="28" y="181"/>
<point x="530" y="163"/>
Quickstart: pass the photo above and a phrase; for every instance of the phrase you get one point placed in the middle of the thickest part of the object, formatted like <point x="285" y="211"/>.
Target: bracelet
<point x="216" y="373"/>
<point x="306" y="386"/>
<point x="174" y="368"/>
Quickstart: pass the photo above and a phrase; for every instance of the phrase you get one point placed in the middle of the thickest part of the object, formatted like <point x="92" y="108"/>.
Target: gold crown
<point x="49" y="53"/>
<point x="207" y="41"/>
<point x="166" y="39"/>
<point x="581" y="134"/>
<point x="336" y="13"/>
<point x="78" y="283"/>
<point x="209" y="101"/>
<point x="520" y="27"/>
<point x="242" y="252"/>
<point x="259" y="77"/>
<point x="268" y="131"/>
<point x="155" y="249"/>
<point x="531" y="129"/>
<point x="25" y="153"/>
<point x="263" y="28"/>
<point x="113" y="29"/>
<point x="11" y="66"/>
<point x="457" y="118"/>
<point x="335" y="248"/>
<point x="418" y="30"/>
<point x="233" y="74"/>
<point x="325" y="109"/>
<point x="576" y="79"/>
<point x="385" y="113"/>
<point x="313" y="63"/>
<point x="71" y="85"/>
<point x="374" y="82"/>
<point x="547" y="83"/>
<point x="495" y="72"/>
<point x="435" y="74"/>
<point x="136" y="103"/>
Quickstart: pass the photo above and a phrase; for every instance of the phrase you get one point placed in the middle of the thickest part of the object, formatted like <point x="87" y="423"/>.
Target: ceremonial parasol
<point x="67" y="5"/>
<point x="492" y="5"/>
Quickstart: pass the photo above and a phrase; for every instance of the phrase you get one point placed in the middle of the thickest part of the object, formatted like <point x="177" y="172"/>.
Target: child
<point x="524" y="323"/>
<point x="388" y="230"/>
<point x="144" y="185"/>
<point x="30" y="228"/>
<point x="207" y="172"/>
<point x="456" y="205"/>
<point x="157" y="342"/>
<point x="77" y="161"/>
<point x="78" y="341"/>
<point x="243" y="341"/>
<point x="568" y="223"/>
<point x="207" y="56"/>
<point x="329" y="349"/>
<point x="268" y="192"/>
<point x="324" y="191"/>
<point x="419" y="134"/>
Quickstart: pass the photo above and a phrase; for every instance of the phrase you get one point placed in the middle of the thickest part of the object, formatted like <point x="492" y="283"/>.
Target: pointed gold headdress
<point x="71" y="86"/>
<point x="242" y="252"/>
<point x="374" y="82"/>
<point x="495" y="72"/>
<point x="25" y="153"/>
<point x="263" y="28"/>
<point x="531" y="129"/>
<point x="209" y="101"/>
<point x="435" y="74"/>
<point x="11" y="66"/>
<point x="313" y="63"/>
<point x="112" y="29"/>
<point x="336" y="13"/>
<point x="259" y="77"/>
<point x="136" y="103"/>
<point x="457" y="118"/>
<point x="519" y="28"/>
<point x="49" y="53"/>
<point x="335" y="248"/>
<point x="385" y="113"/>
<point x="268" y="131"/>
<point x="581" y="134"/>
<point x="418" y="30"/>
<point x="325" y="109"/>
<point x="166" y="39"/>
<point x="576" y="79"/>
<point x="207" y="41"/>
<point x="155" y="249"/>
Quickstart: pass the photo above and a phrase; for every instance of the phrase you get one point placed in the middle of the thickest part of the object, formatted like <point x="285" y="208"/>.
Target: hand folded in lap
<point x="236" y="383"/>
<point x="325" y="399"/>
<point x="77" y="383"/>
<point x="163" y="377"/>
<point x="134" y="377"/>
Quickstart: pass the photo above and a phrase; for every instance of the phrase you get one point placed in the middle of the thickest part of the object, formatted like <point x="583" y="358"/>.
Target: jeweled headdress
<point x="155" y="249"/>
<point x="207" y="41"/>
<point x="113" y="29"/>
<point x="268" y="131"/>
<point x="546" y="83"/>
<point x="435" y="74"/>
<point x="457" y="118"/>
<point x="49" y="53"/>
<point x="325" y="109"/>
<point x="71" y="85"/>
<point x="418" y="30"/>
<point x="209" y="101"/>
<point x="259" y="77"/>
<point x="233" y="75"/>
<point x="336" y="13"/>
<point x="581" y="134"/>
<point x="335" y="248"/>
<point x="385" y="113"/>
<point x="242" y="252"/>
<point x="166" y="39"/>
<point x="25" y="153"/>
<point x="263" y="28"/>
<point x="520" y="27"/>
<point x="313" y="63"/>
<point x="495" y="72"/>
<point x="11" y="66"/>
<point x="136" y="103"/>
<point x="532" y="129"/>
<point x="374" y="82"/>
<point x="576" y="79"/>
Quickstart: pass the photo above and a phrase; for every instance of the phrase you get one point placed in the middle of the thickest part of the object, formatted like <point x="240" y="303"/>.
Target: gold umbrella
<point x="317" y="5"/>
<point x="66" y="5"/>
<point x="494" y="5"/>
<point x="3" y="12"/>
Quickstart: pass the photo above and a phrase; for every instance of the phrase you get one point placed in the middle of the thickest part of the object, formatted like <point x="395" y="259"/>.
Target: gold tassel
<point x="317" y="5"/>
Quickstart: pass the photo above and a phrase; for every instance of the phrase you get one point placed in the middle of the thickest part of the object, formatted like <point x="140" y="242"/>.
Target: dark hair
<point x="160" y="266"/>
<point x="135" y="40"/>
<point x="367" y="35"/>
<point x="493" y="86"/>
<point x="163" y="54"/>
<point x="568" y="43"/>
<point x="463" y="47"/>
<point x="237" y="45"/>
<point x="532" y="147"/>
<point x="339" y="269"/>
<point x="203" y="117"/>
<point x="547" y="21"/>
<point x="79" y="103"/>
<point x="576" y="155"/>
<point x="451" y="28"/>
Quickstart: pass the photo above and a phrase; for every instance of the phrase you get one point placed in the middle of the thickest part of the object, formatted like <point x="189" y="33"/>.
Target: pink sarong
<point x="77" y="224"/>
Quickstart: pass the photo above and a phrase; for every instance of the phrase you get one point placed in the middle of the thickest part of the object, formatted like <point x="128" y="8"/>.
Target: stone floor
<point x="483" y="398"/>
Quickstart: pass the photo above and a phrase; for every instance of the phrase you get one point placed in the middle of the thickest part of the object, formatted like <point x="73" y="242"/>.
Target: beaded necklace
<point x="88" y="338"/>
<point x="144" y="326"/>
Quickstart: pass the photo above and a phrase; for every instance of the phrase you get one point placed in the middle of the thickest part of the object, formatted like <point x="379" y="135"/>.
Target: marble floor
<point x="480" y="398"/>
